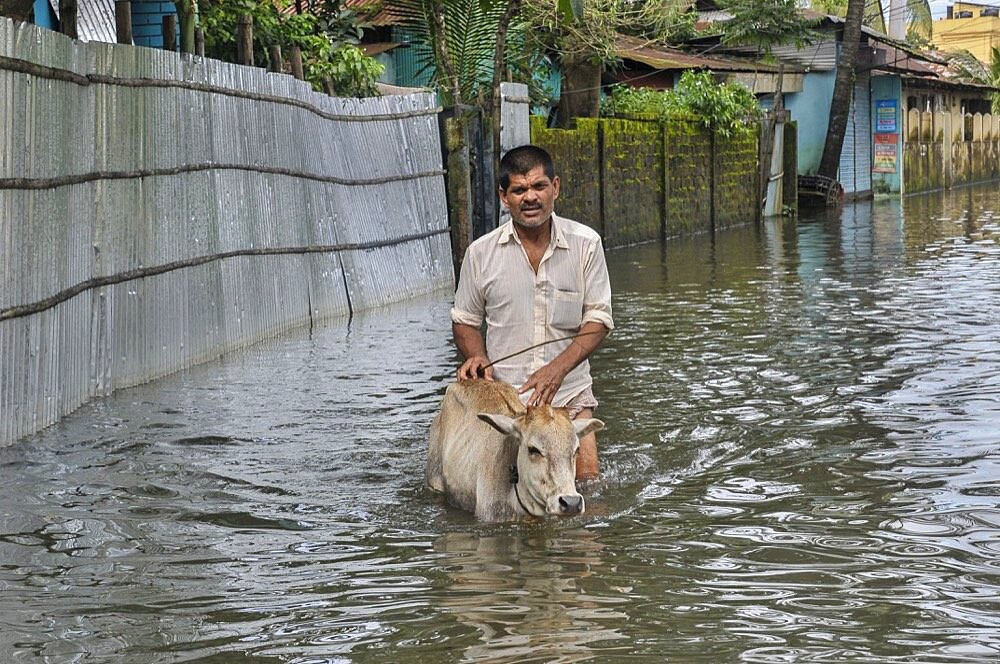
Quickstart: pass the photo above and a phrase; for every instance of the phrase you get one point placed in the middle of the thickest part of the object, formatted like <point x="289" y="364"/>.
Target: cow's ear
<point x="501" y="423"/>
<point x="587" y="425"/>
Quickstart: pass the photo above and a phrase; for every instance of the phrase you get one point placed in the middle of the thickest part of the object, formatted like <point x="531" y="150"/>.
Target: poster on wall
<point x="885" y="158"/>
<point x="885" y="116"/>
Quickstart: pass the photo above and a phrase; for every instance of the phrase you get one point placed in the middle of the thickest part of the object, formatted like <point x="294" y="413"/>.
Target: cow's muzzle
<point x="570" y="504"/>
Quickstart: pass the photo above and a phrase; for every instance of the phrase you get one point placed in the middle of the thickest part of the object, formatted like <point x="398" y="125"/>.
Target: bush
<point x="325" y="54"/>
<point x="730" y="108"/>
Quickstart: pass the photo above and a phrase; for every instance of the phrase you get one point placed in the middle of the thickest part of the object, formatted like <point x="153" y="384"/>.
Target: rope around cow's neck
<point x="550" y="341"/>
<point x="514" y="479"/>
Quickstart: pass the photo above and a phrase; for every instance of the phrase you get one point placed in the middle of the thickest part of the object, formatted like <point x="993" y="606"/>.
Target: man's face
<point x="531" y="197"/>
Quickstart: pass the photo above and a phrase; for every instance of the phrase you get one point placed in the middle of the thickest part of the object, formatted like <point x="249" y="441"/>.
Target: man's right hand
<point x="476" y="366"/>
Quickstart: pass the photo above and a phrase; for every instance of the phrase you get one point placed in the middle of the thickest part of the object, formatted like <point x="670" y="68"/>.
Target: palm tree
<point x="843" y="90"/>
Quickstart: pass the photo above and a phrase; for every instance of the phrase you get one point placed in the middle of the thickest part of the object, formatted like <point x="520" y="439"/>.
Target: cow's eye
<point x="534" y="451"/>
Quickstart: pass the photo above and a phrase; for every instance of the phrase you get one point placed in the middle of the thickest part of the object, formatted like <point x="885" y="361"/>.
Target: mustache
<point x="531" y="206"/>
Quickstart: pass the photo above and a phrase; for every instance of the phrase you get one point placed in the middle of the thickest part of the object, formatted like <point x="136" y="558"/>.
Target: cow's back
<point x="466" y="454"/>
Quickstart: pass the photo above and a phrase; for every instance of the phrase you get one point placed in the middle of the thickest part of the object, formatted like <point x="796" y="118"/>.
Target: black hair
<point x="522" y="159"/>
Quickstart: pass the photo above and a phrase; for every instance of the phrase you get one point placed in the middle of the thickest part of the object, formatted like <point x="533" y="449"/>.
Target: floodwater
<point x="801" y="464"/>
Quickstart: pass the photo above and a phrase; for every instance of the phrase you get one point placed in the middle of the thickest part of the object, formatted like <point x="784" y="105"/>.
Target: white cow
<point x="491" y="456"/>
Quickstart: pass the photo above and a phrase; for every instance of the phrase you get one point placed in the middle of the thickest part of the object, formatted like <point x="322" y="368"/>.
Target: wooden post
<point x="170" y="32"/>
<point x="199" y="42"/>
<point x="244" y="40"/>
<point x="123" y="21"/>
<point x="67" y="18"/>
<point x="274" y="55"/>
<point x="186" y="11"/>
<point x="296" y="61"/>
<point x="328" y="85"/>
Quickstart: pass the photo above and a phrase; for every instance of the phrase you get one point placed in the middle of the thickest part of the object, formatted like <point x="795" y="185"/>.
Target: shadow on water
<point x="800" y="465"/>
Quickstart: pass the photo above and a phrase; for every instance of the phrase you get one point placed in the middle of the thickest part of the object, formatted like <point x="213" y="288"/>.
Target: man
<point x="537" y="278"/>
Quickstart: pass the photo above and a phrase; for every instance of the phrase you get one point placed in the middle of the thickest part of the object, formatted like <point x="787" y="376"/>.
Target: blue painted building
<point x="96" y="19"/>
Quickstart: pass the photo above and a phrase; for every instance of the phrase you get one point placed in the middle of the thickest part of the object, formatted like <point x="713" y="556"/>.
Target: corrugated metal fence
<point x="158" y="210"/>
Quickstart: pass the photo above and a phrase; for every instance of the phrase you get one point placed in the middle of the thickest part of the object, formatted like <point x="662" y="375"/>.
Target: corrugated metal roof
<point x="384" y="16"/>
<point x="95" y="19"/>
<point x="664" y="57"/>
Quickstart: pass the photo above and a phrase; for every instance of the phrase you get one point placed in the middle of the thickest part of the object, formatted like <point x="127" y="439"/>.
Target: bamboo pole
<point x="295" y="56"/>
<point x="67" y="18"/>
<point x="170" y="32"/>
<point x="274" y="55"/>
<point x="244" y="40"/>
<point x="123" y="21"/>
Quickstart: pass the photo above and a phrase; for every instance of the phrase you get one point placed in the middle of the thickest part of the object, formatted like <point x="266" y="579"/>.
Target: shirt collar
<point x="507" y="233"/>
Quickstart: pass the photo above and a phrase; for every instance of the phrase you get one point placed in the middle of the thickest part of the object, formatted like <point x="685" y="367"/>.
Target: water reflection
<point x="522" y="595"/>
<point x="800" y="465"/>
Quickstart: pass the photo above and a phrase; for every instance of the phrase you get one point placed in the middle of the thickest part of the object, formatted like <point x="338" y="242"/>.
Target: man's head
<point x="529" y="186"/>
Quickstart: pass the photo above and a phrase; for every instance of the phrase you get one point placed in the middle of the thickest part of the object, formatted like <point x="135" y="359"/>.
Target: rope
<point x="43" y="71"/>
<point x="80" y="178"/>
<point x="22" y="310"/>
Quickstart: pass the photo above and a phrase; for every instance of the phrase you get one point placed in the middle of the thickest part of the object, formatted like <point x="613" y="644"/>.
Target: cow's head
<point x="547" y="444"/>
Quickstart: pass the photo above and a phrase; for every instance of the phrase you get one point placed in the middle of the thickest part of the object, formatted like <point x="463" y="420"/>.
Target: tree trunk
<point x="499" y="72"/>
<point x="843" y="90"/>
<point x="186" y="15"/>
<point x="581" y="90"/>
<point x="19" y="10"/>
<point x="439" y="40"/>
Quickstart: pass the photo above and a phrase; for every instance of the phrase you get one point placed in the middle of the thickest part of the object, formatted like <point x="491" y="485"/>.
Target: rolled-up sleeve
<point x="597" y="298"/>
<point x="470" y="304"/>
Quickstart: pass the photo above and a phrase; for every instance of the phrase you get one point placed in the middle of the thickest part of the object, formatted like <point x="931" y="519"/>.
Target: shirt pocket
<point x="567" y="310"/>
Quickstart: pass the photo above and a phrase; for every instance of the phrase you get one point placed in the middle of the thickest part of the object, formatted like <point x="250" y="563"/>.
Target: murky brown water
<point x="801" y="464"/>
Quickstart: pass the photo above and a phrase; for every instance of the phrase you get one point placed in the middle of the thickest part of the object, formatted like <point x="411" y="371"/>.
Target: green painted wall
<point x="639" y="180"/>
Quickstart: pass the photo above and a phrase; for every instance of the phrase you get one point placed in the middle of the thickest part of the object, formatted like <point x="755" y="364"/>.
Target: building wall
<point x="147" y="22"/>
<point x="44" y="16"/>
<point x="977" y="34"/>
<point x="811" y="110"/>
<point x="887" y="111"/>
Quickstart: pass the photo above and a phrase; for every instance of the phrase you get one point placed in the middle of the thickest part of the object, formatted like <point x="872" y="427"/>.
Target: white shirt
<point x="522" y="308"/>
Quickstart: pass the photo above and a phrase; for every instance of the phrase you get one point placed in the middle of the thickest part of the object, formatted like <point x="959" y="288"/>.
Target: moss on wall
<point x="632" y="180"/>
<point x="575" y="153"/>
<point x="737" y="181"/>
<point x="638" y="180"/>
<point x="689" y="177"/>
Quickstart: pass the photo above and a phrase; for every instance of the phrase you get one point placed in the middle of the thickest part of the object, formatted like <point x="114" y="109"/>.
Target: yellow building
<point x="971" y="27"/>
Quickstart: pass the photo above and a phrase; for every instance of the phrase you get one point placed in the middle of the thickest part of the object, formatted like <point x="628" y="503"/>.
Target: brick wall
<point x="639" y="180"/>
<point x="576" y="155"/>
<point x="737" y="181"/>
<point x="689" y="178"/>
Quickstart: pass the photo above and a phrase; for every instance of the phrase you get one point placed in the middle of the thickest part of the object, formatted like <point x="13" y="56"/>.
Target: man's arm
<point x="546" y="381"/>
<point x="471" y="344"/>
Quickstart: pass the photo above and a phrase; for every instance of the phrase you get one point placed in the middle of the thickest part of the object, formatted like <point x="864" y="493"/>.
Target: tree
<point x="968" y="69"/>
<point x="330" y="56"/>
<point x="843" y="90"/>
<point x="765" y="24"/>
<point x="582" y="42"/>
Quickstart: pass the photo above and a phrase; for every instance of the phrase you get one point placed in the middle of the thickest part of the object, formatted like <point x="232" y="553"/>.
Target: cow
<point x="490" y="455"/>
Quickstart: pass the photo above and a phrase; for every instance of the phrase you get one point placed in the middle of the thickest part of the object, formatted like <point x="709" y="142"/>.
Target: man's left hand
<point x="545" y="382"/>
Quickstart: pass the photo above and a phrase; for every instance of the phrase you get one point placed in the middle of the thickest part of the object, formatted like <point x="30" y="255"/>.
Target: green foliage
<point x="765" y="24"/>
<point x="325" y="37"/>
<point x="730" y="108"/>
<point x="468" y="33"/>
<point x="348" y="69"/>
